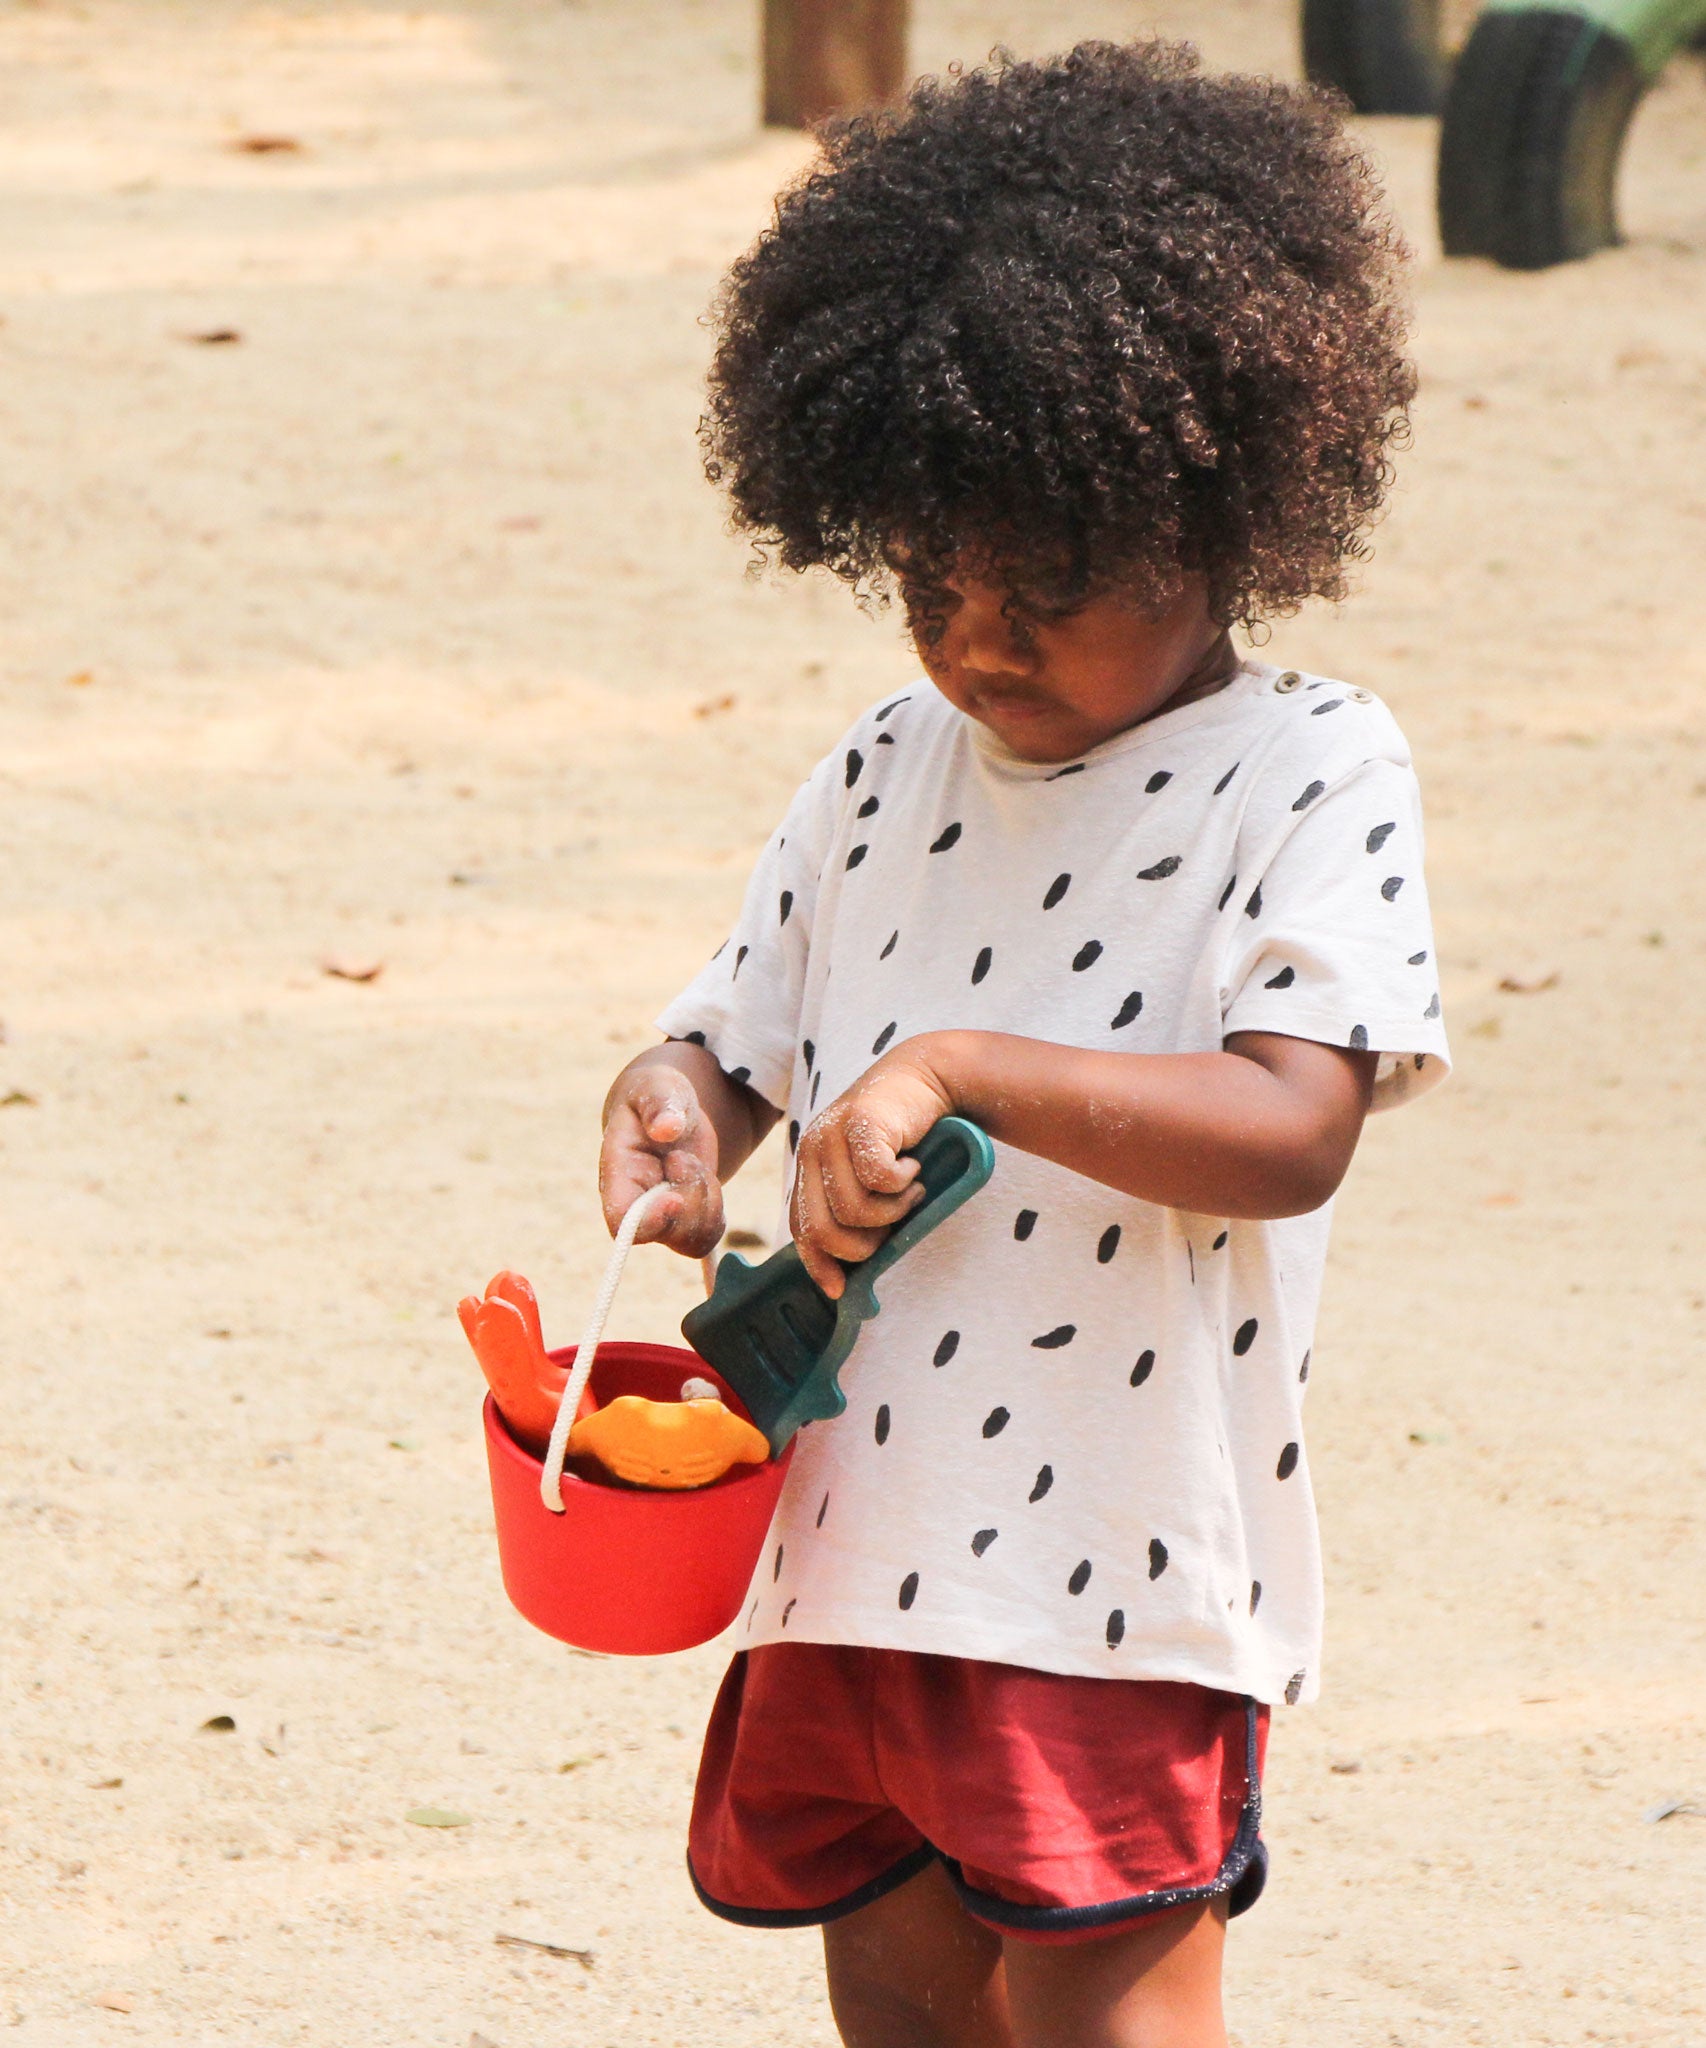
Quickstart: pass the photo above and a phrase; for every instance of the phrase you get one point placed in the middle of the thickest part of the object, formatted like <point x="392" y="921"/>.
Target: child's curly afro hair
<point x="1088" y="324"/>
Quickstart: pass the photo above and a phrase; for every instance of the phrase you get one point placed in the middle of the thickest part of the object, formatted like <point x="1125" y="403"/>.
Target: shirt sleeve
<point x="745" y="1004"/>
<point x="1336" y="944"/>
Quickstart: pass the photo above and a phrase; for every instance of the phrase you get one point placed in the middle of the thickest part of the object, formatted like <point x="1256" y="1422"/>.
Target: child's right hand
<point x="656" y="1129"/>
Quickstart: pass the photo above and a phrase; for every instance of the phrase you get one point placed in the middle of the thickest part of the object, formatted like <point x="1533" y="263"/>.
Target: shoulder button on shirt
<point x="1362" y="696"/>
<point x="1289" y="681"/>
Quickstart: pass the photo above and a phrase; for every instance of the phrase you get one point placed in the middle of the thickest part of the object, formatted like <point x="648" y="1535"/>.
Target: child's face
<point x="1052" y="685"/>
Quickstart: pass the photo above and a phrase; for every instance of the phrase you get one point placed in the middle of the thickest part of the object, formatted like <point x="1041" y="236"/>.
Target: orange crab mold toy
<point x="526" y="1383"/>
<point x="669" y="1444"/>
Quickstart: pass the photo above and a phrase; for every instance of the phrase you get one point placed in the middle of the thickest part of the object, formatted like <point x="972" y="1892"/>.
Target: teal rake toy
<point x="774" y="1334"/>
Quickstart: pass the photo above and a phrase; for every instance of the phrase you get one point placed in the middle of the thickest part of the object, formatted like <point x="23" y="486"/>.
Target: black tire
<point x="1534" y="125"/>
<point x="1383" y="55"/>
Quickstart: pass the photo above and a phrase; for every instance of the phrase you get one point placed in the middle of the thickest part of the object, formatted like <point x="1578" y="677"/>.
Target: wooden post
<point x="825" y="57"/>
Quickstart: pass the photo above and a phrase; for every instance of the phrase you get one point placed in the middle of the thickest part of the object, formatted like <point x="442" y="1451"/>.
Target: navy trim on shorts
<point x="866" y="1894"/>
<point x="1241" y="1878"/>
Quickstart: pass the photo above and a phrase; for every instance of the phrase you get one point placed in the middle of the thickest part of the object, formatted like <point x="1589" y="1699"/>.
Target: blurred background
<point x="388" y="725"/>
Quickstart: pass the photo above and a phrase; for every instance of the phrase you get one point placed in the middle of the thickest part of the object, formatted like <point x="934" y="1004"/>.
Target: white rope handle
<point x="551" y="1478"/>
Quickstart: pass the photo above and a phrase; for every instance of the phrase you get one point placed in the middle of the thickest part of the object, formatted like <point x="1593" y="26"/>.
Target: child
<point x="1094" y="359"/>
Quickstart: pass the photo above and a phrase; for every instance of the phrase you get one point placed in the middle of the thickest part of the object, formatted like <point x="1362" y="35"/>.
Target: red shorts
<point x="1061" y="1807"/>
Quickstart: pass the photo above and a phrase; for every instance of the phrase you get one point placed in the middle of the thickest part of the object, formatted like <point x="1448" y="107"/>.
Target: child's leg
<point x="915" y="1970"/>
<point x="1155" y="1986"/>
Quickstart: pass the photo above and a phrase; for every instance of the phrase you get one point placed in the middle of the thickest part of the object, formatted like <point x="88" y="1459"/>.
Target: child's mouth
<point x="1011" y="707"/>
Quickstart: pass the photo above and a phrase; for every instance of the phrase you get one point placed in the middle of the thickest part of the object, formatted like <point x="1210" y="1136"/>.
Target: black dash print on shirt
<point x="1077" y="768"/>
<point x="1287" y="1462"/>
<point x="1294" y="1687"/>
<point x="855" y="762"/>
<point x="1359" y="1038"/>
<point x="1254" y="907"/>
<point x="1116" y="1628"/>
<point x="1052" y="1340"/>
<point x="1225" y="780"/>
<point x="1107" y="1244"/>
<point x="740" y="1075"/>
<point x="1143" y="1368"/>
<point x="776" y="1568"/>
<point x="982" y="1540"/>
<point x="1162" y="868"/>
<point x="1255" y="1594"/>
<point x="1024" y="1223"/>
<point x="857" y="855"/>
<point x="1379" y="836"/>
<point x="889" y="948"/>
<point x="1087" y="955"/>
<point x="908" y="1590"/>
<point x="794" y="1135"/>
<point x="739" y="957"/>
<point x="894" y="704"/>
<point x="1130" y="1008"/>
<point x="1226" y="893"/>
<point x="817" y="1083"/>
<point x="1080" y="1576"/>
<point x="810" y="1052"/>
<point x="721" y="950"/>
<point x="786" y="1611"/>
<point x="980" y="966"/>
<point x="695" y="1038"/>
<point x="1321" y="710"/>
<point x="996" y="1421"/>
<point x="1432" y="1009"/>
<point x="949" y="836"/>
<point x="882" y="1038"/>
<point x="1284" y="979"/>
<point x="1245" y="1338"/>
<point x="885" y="739"/>
<point x="1044" y="1480"/>
<point x="1418" y="959"/>
<point x="881" y="1432"/>
<point x="1303" y="1369"/>
<point x="1191" y="1257"/>
<point x="1157" y="1557"/>
<point x="1220" y="1242"/>
<point x="1390" y="887"/>
<point x="945" y="1350"/>
<point x="1159" y="780"/>
<point x="823" y="1509"/>
<point x="1056" y="890"/>
<point x="787" y="904"/>
<point x="869" y="808"/>
<point x="1314" y="790"/>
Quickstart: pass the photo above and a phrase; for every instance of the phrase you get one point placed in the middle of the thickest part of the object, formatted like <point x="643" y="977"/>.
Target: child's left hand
<point x="850" y="1185"/>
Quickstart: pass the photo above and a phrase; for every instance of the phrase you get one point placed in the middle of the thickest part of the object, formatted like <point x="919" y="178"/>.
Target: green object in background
<point x="779" y="1340"/>
<point x="1654" y="30"/>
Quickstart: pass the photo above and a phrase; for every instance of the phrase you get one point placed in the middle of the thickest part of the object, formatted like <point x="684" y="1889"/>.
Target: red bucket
<point x="624" y="1570"/>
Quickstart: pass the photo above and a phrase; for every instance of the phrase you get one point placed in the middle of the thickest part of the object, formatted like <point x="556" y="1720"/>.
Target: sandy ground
<point x="402" y="631"/>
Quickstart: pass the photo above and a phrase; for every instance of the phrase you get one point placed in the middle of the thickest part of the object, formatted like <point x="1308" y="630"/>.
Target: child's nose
<point x="989" y="642"/>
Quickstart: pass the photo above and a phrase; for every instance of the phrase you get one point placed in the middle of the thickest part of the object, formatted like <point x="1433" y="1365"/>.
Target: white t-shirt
<point x="1073" y="1436"/>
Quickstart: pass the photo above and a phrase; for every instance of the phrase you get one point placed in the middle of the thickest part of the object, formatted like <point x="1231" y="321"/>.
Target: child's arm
<point x="673" y="1114"/>
<point x="1264" y="1128"/>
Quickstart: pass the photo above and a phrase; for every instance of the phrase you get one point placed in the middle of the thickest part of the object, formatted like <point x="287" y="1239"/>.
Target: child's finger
<point x="663" y="1104"/>
<point x="824" y="1240"/>
<point x="873" y="1146"/>
<point x="854" y="1204"/>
